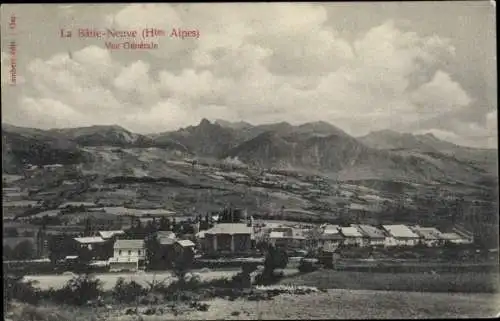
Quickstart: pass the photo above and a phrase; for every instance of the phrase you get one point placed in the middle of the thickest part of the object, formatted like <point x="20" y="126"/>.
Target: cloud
<point x="470" y="133"/>
<point x="440" y="95"/>
<point x="259" y="64"/>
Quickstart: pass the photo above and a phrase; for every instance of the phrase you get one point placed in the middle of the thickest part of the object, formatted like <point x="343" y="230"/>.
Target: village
<point x="232" y="234"/>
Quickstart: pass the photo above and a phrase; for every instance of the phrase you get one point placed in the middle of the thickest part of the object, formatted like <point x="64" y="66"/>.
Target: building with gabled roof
<point x="128" y="255"/>
<point x="351" y="236"/>
<point x="400" y="235"/>
<point x="430" y="236"/>
<point x="372" y="235"/>
<point x="229" y="238"/>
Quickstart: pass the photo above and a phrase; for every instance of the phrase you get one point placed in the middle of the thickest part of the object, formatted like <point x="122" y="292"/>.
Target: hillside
<point x="103" y="136"/>
<point x="315" y="147"/>
<point x="430" y="146"/>
<point x="32" y="146"/>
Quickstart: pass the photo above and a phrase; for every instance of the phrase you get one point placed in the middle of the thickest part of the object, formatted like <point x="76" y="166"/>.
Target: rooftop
<point x="350" y="232"/>
<point x="165" y="234"/>
<point x="371" y="231"/>
<point x="167" y="241"/>
<point x="129" y="244"/>
<point x="230" y="228"/>
<point x="331" y="236"/>
<point x="185" y="243"/>
<point x="110" y="234"/>
<point x="428" y="233"/>
<point x="450" y="236"/>
<point x="90" y="240"/>
<point x="400" y="231"/>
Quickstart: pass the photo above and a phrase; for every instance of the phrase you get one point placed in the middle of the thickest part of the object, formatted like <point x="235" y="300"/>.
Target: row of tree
<point x="24" y="250"/>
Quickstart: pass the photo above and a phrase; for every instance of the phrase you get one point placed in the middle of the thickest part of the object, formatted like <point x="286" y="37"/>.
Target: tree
<point x="7" y="252"/>
<point x="81" y="289"/>
<point x="88" y="228"/>
<point x="275" y="259"/>
<point x="11" y="232"/>
<point x="181" y="266"/>
<point x="163" y="224"/>
<point x="24" y="250"/>
<point x="153" y="252"/>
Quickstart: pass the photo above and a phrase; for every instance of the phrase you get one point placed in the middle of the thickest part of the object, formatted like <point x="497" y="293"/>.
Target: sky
<point x="419" y="67"/>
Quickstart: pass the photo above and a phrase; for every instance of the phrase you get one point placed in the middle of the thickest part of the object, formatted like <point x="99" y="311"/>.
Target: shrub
<point x="307" y="266"/>
<point x="79" y="290"/>
<point x="127" y="292"/>
<point x="268" y="277"/>
<point x="16" y="289"/>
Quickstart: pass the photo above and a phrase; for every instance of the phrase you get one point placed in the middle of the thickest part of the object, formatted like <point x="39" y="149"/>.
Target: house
<point x="400" y="235"/>
<point x="373" y="235"/>
<point x="184" y="249"/>
<point x="430" y="236"/>
<point x="329" y="229"/>
<point x="327" y="234"/>
<point x="128" y="255"/>
<point x="229" y="238"/>
<point x="352" y="236"/>
<point x="166" y="239"/>
<point x="454" y="238"/>
<point x="288" y="238"/>
<point x="334" y="239"/>
<point x="99" y="248"/>
<point x="329" y="254"/>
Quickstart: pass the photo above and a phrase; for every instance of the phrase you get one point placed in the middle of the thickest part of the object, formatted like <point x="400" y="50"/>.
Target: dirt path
<point x="109" y="279"/>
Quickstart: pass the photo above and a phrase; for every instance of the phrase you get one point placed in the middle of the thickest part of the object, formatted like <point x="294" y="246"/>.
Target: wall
<point x="242" y="242"/>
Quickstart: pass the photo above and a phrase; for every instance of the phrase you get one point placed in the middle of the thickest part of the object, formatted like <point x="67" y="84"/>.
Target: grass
<point x="335" y="304"/>
<point x="412" y="282"/>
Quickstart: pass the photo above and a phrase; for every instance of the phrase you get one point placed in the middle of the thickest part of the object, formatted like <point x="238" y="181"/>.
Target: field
<point x="335" y="304"/>
<point x="470" y="282"/>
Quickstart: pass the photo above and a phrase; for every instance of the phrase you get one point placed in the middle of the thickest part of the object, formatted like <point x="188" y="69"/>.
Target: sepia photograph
<point x="250" y="161"/>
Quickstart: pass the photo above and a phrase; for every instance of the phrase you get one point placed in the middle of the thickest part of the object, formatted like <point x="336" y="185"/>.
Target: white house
<point x="400" y="235"/>
<point x="128" y="255"/>
<point x="352" y="236"/>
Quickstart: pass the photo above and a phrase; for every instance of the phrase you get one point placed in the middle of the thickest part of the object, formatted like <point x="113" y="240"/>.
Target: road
<point x="56" y="281"/>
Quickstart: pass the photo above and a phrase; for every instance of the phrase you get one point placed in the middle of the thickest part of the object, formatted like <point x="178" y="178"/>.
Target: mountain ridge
<point x="316" y="146"/>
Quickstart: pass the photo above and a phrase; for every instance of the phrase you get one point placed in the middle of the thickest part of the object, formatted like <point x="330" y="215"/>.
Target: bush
<point x="307" y="266"/>
<point x="127" y="292"/>
<point x="79" y="290"/>
<point x="16" y="289"/>
<point x="268" y="277"/>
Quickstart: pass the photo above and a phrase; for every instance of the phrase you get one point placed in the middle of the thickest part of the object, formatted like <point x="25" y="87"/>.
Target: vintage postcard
<point x="249" y="161"/>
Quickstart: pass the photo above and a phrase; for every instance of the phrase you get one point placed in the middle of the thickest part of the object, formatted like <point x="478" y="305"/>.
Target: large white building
<point x="128" y="255"/>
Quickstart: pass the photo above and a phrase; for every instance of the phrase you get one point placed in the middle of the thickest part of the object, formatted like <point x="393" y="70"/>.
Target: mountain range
<point x="317" y="147"/>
